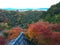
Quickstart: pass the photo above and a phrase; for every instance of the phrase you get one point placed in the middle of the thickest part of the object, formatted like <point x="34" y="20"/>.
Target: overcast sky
<point x="27" y="3"/>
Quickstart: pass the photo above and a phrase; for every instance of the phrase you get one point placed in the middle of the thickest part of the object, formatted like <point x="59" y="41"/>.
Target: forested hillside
<point x="53" y="14"/>
<point x="40" y="27"/>
<point x="15" y="18"/>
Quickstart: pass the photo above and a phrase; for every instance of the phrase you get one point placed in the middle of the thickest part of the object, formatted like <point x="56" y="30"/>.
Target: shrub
<point x="13" y="33"/>
<point x="40" y="31"/>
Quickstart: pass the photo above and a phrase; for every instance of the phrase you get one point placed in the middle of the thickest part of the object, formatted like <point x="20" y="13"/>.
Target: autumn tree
<point x="40" y="31"/>
<point x="13" y="33"/>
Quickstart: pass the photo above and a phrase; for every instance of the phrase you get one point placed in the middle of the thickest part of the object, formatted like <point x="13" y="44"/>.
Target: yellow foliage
<point x="6" y="24"/>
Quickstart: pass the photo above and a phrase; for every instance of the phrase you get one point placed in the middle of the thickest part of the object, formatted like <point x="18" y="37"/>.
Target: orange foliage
<point x="13" y="33"/>
<point x="40" y="31"/>
<point x="43" y="33"/>
<point x="39" y="28"/>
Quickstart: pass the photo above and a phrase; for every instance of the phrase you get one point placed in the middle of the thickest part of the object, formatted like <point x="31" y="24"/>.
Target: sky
<point x="27" y="3"/>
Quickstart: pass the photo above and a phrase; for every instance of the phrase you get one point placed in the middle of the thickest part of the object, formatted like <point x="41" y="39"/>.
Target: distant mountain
<point x="26" y="9"/>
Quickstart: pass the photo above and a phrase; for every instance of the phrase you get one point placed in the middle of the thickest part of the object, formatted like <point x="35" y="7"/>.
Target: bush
<point x="40" y="31"/>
